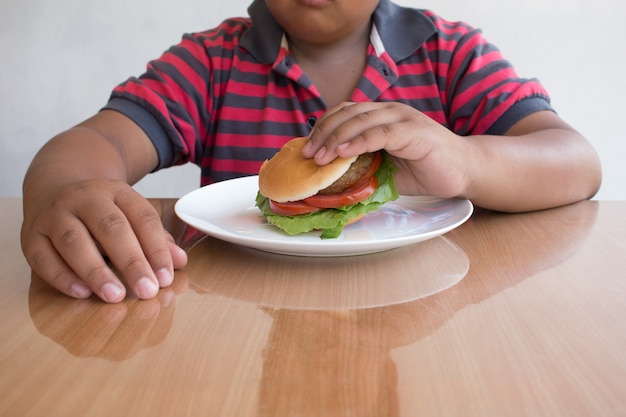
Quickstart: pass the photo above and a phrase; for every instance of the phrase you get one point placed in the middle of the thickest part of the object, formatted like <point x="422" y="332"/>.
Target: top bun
<point x="288" y="176"/>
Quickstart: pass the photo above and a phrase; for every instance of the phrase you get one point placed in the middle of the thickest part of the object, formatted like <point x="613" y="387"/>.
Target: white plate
<point x="226" y="210"/>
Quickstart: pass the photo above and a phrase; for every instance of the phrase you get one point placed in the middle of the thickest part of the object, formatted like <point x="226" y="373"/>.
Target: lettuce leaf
<point x="332" y="221"/>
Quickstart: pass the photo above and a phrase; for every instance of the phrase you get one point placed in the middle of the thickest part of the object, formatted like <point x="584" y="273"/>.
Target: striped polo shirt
<point x="228" y="98"/>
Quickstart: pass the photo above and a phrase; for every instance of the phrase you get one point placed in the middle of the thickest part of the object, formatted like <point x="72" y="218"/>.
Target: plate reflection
<point x="337" y="283"/>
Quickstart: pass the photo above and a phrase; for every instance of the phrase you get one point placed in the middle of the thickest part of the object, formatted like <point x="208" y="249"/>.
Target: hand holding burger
<point x="297" y="195"/>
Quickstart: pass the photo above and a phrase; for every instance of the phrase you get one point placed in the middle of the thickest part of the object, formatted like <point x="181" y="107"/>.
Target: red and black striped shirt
<point x="228" y="98"/>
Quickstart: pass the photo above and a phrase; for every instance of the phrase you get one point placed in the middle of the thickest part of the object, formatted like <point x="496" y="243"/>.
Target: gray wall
<point x="61" y="58"/>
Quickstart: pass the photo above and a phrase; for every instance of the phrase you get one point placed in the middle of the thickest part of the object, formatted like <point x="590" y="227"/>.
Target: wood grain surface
<point x="507" y="315"/>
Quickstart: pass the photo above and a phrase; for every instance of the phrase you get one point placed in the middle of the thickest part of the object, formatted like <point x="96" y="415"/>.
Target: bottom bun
<point x="348" y="223"/>
<point x="356" y="219"/>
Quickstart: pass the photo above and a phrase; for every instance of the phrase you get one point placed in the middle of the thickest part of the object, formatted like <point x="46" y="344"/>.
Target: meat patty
<point x="354" y="173"/>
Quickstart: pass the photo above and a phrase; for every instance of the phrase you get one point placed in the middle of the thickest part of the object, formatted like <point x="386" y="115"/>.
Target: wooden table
<point x="508" y="315"/>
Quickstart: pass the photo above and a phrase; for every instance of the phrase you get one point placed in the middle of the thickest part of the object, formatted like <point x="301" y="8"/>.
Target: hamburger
<point x="297" y="195"/>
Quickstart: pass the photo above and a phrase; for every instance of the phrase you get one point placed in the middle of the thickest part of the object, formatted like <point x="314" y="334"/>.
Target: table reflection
<point x="322" y="362"/>
<point x="92" y="328"/>
<point x="336" y="283"/>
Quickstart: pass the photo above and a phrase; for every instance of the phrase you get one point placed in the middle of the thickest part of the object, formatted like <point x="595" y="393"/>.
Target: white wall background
<point x="59" y="60"/>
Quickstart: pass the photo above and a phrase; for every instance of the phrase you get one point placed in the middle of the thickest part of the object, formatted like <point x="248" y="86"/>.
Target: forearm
<point x="108" y="146"/>
<point x="77" y="154"/>
<point x="542" y="169"/>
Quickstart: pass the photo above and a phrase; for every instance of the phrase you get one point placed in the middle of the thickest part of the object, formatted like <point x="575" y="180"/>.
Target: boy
<point x="352" y="75"/>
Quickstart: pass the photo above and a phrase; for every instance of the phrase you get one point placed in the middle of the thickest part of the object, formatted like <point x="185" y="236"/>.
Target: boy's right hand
<point x="82" y="219"/>
<point x="70" y="230"/>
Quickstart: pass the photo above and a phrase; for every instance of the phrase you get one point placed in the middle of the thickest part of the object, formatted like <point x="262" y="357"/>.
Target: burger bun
<point x="289" y="176"/>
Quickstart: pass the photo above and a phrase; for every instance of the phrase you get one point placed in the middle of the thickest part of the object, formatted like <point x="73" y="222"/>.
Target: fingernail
<point x="320" y="154"/>
<point x="181" y="251"/>
<point x="307" y="147"/>
<point x="111" y="292"/>
<point x="80" y="290"/>
<point x="164" y="276"/>
<point x="343" y="146"/>
<point x="146" y="288"/>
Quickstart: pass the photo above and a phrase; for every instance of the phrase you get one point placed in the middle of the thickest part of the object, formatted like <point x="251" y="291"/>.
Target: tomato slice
<point x="358" y="192"/>
<point x="292" y="208"/>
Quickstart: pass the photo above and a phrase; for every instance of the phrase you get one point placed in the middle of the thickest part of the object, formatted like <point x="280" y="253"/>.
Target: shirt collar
<point x="401" y="31"/>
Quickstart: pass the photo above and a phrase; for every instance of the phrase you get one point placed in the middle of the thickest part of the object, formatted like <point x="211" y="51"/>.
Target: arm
<point x="540" y="163"/>
<point x="79" y="207"/>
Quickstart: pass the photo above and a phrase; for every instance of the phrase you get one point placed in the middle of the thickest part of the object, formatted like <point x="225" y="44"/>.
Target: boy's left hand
<point x="431" y="159"/>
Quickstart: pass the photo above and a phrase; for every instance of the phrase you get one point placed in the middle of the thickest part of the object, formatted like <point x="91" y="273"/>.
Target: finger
<point x="73" y="242"/>
<point x="110" y="227"/>
<point x="351" y="130"/>
<point x="151" y="235"/>
<point x="325" y="128"/>
<point x="46" y="262"/>
<point x="179" y="256"/>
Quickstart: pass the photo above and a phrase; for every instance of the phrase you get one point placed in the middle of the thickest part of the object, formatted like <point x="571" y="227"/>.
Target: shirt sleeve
<point x="171" y="101"/>
<point x="484" y="92"/>
<point x="150" y="124"/>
